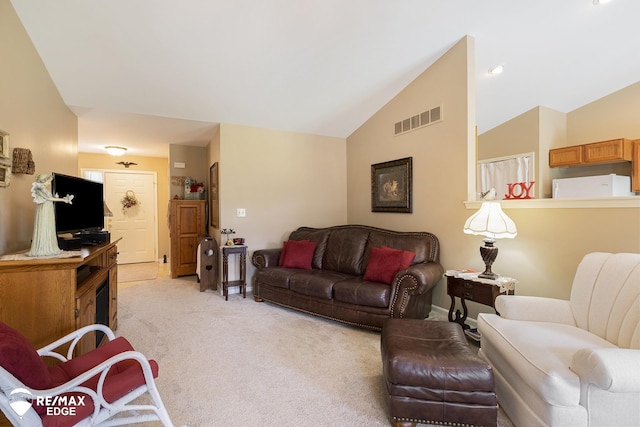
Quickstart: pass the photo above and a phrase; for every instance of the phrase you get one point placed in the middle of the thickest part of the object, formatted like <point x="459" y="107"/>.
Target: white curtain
<point x="497" y="173"/>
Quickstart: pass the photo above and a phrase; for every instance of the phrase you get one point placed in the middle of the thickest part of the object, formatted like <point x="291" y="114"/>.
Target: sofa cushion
<point x="21" y="359"/>
<point x="345" y="250"/>
<point x="417" y="242"/>
<point x="407" y="256"/>
<point x="275" y="276"/>
<point x="360" y="292"/>
<point x="298" y="254"/>
<point x="541" y="356"/>
<point x="316" y="283"/>
<point x="385" y="262"/>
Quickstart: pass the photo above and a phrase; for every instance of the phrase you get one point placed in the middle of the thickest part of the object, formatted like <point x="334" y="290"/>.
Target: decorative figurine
<point x="45" y="239"/>
<point x="228" y="231"/>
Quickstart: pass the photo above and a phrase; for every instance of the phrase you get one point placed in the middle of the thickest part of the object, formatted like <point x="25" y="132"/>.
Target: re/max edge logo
<point x="21" y="400"/>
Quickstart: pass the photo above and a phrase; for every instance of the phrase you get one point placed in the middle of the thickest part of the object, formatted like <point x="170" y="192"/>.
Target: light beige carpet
<point x="243" y="363"/>
<point x="137" y="272"/>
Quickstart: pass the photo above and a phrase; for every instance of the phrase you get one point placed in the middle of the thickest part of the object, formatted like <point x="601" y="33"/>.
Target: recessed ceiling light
<point x="115" y="151"/>
<point x="597" y="2"/>
<point x="496" y="70"/>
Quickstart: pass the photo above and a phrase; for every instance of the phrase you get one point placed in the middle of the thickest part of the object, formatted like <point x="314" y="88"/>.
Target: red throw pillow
<point x="19" y="357"/>
<point x="284" y="251"/>
<point x="298" y="254"/>
<point x="407" y="257"/>
<point x="384" y="263"/>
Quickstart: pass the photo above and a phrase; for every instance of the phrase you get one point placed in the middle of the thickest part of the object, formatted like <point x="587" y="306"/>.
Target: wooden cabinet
<point x="187" y="223"/>
<point x="567" y="156"/>
<point x="615" y="150"/>
<point x="612" y="151"/>
<point x="46" y="299"/>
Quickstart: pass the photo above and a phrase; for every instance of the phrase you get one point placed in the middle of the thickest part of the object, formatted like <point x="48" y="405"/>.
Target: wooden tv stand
<point x="45" y="299"/>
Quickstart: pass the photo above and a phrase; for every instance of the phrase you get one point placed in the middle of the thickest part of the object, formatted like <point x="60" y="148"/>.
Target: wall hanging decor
<point x="129" y="200"/>
<point x="4" y="145"/>
<point x="391" y="186"/>
<point x="194" y="190"/>
<point x="23" y="161"/>
<point x="214" y="209"/>
<point x="5" y="175"/>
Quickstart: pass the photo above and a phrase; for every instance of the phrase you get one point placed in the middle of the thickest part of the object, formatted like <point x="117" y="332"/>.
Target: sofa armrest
<point x="263" y="258"/>
<point x="425" y="275"/>
<point x="536" y="309"/>
<point x="411" y="290"/>
<point x="613" y="369"/>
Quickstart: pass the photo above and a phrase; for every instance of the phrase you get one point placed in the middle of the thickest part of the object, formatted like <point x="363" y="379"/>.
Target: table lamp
<point x="492" y="222"/>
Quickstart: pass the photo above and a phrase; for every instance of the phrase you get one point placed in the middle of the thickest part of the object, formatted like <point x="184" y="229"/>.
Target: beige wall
<point x="439" y="156"/>
<point x="35" y="116"/>
<point x="614" y="116"/>
<point x="195" y="160"/>
<point x="159" y="165"/>
<point x="284" y="180"/>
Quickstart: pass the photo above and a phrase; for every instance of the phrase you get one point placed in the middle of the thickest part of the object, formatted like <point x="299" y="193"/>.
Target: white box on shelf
<point x="592" y="186"/>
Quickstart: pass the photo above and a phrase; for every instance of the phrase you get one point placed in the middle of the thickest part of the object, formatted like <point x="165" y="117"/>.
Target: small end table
<point x="240" y="250"/>
<point x="471" y="287"/>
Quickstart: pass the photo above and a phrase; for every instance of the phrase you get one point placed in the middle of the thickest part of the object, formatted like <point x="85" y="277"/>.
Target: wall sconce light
<point x="115" y="150"/>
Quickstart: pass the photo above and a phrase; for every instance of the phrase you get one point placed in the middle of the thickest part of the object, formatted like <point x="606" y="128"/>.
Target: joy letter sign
<point x="519" y="190"/>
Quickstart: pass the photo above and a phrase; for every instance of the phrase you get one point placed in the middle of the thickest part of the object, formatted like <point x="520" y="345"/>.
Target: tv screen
<point x="86" y="212"/>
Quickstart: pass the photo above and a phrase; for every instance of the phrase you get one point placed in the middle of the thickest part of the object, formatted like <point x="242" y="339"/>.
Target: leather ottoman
<point x="432" y="376"/>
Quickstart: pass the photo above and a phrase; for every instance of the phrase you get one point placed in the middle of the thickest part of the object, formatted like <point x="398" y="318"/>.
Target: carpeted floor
<point x="242" y="363"/>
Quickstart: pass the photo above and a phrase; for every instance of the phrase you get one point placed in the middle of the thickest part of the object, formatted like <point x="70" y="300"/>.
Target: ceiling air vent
<point x="428" y="117"/>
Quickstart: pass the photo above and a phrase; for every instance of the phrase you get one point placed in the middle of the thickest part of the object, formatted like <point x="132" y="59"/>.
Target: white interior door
<point x="137" y="226"/>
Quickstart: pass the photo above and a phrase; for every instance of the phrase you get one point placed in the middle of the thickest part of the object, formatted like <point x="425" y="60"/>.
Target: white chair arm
<point x="611" y="369"/>
<point x="73" y="337"/>
<point x="103" y="369"/>
<point x="536" y="309"/>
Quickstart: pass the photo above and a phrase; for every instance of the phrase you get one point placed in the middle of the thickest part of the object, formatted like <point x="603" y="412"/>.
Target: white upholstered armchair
<point x="575" y="362"/>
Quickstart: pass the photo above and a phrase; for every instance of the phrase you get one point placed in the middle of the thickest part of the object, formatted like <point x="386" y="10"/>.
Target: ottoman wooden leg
<point x="403" y="424"/>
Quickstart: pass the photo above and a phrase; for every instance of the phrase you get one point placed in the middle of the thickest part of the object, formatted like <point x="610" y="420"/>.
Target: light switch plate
<point x="241" y="213"/>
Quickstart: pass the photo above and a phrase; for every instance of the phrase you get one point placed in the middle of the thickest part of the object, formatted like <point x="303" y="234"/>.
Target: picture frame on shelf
<point x="392" y="186"/>
<point x="5" y="175"/>
<point x="214" y="197"/>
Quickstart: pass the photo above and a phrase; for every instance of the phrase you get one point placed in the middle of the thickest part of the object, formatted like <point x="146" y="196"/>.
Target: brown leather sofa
<point x="335" y="288"/>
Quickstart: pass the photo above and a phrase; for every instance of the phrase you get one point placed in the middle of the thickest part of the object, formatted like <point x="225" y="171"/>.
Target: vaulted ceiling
<point x="148" y="73"/>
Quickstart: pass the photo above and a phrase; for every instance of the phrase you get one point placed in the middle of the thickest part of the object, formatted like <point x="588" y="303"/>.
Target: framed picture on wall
<point x="4" y="145"/>
<point x="214" y="201"/>
<point x="5" y="175"/>
<point x="391" y="186"/>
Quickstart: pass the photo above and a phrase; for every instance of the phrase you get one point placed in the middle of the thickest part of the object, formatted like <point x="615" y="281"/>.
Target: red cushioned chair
<point x="95" y="389"/>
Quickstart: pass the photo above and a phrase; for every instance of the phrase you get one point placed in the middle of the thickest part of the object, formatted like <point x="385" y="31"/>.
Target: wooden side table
<point x="241" y="251"/>
<point x="472" y="288"/>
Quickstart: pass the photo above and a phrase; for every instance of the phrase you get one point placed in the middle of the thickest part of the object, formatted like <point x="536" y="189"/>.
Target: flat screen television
<point x="86" y="212"/>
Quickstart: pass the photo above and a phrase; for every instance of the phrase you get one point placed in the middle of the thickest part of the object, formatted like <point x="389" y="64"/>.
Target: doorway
<point x="136" y="226"/>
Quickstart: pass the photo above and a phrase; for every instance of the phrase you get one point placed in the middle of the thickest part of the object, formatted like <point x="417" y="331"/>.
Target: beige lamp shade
<point x="491" y="221"/>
